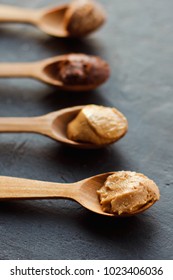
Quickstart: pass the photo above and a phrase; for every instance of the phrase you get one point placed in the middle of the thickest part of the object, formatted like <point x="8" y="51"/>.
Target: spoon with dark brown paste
<point x="74" y="72"/>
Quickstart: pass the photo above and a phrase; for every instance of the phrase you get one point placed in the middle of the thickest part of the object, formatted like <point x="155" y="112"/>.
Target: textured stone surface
<point x="137" y="42"/>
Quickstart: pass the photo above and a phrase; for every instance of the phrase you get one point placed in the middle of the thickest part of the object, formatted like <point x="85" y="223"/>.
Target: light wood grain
<point x="48" y="20"/>
<point x="83" y="192"/>
<point x="16" y="14"/>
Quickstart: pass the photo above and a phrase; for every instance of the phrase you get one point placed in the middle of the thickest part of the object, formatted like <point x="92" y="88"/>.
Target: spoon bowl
<point x="89" y="197"/>
<point x="76" y="72"/>
<point x="60" y="120"/>
<point x="84" y="192"/>
<point x="51" y="21"/>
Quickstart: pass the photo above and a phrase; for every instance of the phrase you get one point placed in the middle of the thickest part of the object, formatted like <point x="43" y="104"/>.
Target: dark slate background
<point x="137" y="42"/>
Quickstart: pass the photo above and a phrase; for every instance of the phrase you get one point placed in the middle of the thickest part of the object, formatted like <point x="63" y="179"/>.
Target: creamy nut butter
<point x="126" y="192"/>
<point x="98" y="125"/>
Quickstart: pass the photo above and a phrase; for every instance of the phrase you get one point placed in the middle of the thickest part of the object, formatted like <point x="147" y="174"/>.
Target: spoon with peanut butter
<point x="73" y="72"/>
<point x="133" y="194"/>
<point x="87" y="127"/>
<point x="75" y="19"/>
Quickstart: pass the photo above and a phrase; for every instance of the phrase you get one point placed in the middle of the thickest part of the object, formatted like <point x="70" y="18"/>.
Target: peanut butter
<point x="98" y="125"/>
<point x="127" y="192"/>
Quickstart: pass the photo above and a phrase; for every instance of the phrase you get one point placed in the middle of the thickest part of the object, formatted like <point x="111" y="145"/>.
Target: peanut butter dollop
<point x="98" y="125"/>
<point x="127" y="192"/>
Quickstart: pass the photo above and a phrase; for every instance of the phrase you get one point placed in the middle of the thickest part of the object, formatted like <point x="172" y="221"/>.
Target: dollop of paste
<point x="82" y="70"/>
<point x="126" y="192"/>
<point x="98" y="125"/>
<point x="83" y="17"/>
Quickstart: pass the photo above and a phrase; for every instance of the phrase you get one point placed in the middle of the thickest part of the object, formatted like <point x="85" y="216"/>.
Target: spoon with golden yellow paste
<point x="75" y="19"/>
<point x="59" y="124"/>
<point x="84" y="192"/>
<point x="73" y="72"/>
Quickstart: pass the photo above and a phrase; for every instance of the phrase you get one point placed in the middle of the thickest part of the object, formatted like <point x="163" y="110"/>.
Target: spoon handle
<point x="23" y="69"/>
<point x="31" y="124"/>
<point x="18" y="188"/>
<point x="15" y="14"/>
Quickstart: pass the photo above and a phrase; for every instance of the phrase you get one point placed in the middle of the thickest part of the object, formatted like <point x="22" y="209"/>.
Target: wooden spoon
<point x="74" y="72"/>
<point x="84" y="192"/>
<point x="78" y="18"/>
<point x="53" y="125"/>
